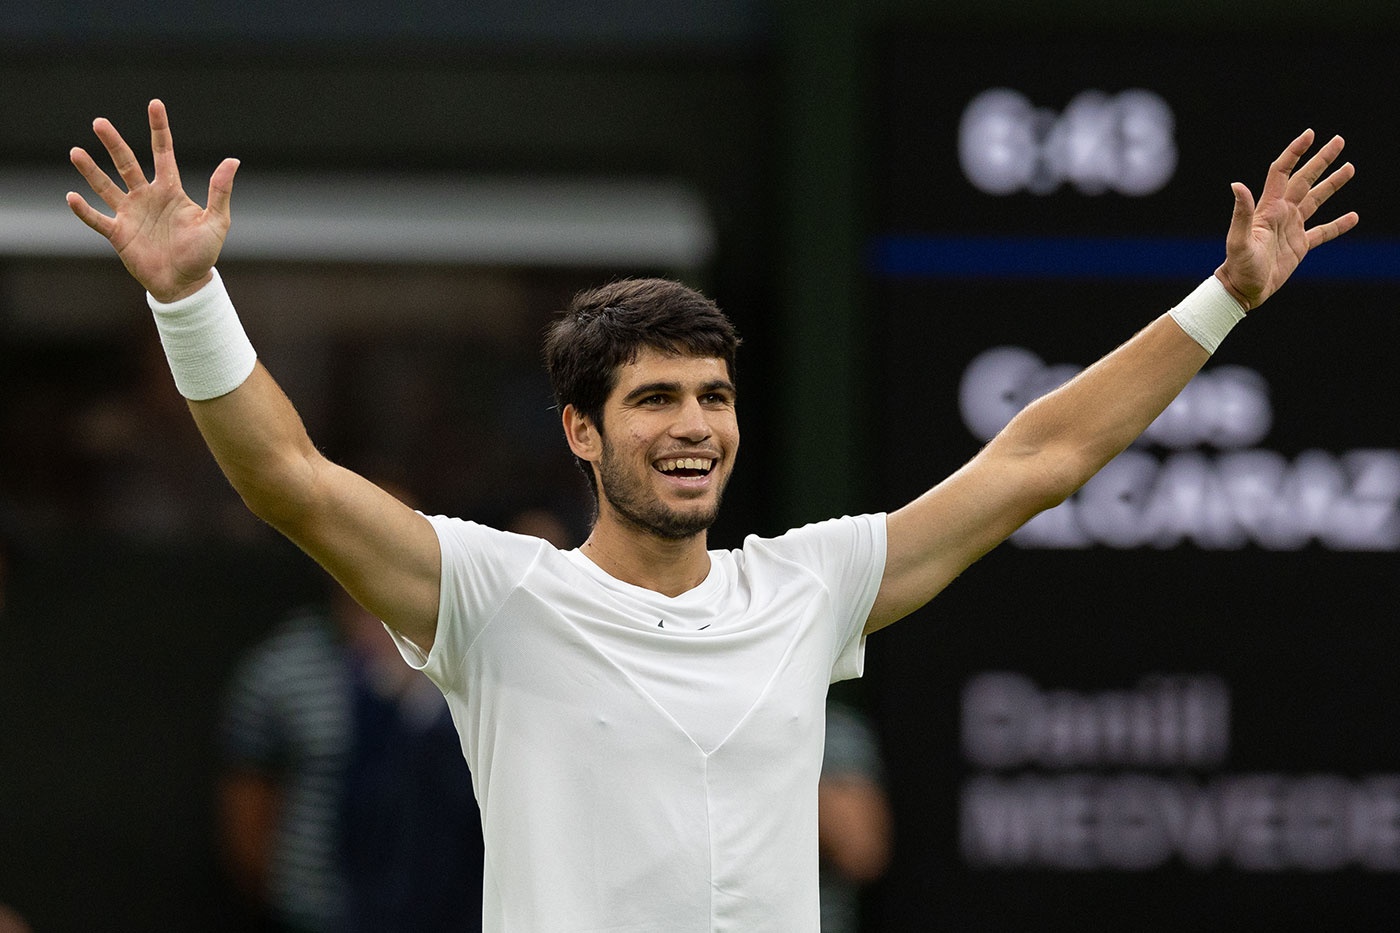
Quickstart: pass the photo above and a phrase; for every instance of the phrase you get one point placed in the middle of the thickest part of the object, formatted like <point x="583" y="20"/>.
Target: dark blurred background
<point x="425" y="183"/>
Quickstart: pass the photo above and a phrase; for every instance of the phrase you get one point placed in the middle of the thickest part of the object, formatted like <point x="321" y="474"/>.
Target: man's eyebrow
<point x="672" y="388"/>
<point x="721" y="385"/>
<point x="651" y="388"/>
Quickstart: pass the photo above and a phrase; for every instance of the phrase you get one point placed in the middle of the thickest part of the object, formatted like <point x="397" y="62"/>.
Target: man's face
<point x="671" y="435"/>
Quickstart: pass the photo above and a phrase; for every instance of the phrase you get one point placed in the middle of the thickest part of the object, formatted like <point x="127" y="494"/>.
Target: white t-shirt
<point x="648" y="763"/>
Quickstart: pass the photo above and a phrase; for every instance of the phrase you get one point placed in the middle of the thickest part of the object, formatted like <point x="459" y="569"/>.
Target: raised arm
<point x="385" y="554"/>
<point x="1062" y="439"/>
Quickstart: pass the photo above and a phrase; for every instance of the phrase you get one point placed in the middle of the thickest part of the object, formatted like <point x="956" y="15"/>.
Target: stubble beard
<point x="636" y="506"/>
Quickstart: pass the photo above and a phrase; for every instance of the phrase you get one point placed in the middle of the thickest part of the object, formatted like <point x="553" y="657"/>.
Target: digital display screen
<point x="1169" y="702"/>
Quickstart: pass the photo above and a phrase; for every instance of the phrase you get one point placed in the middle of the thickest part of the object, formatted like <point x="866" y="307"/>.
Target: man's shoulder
<point x="472" y="535"/>
<point x="819" y="547"/>
<point x="843" y="528"/>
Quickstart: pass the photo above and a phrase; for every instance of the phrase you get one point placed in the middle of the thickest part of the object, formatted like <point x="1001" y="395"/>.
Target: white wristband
<point x="1208" y="313"/>
<point x="208" y="351"/>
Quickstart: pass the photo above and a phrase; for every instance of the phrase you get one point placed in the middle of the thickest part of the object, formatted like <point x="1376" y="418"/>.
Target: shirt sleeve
<point x="848" y="555"/>
<point x="480" y="568"/>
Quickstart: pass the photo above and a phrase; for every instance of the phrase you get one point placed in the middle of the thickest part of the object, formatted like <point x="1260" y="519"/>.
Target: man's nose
<point x="691" y="424"/>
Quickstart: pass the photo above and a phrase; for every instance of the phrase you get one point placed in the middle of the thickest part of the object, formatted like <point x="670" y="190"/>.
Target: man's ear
<point x="584" y="438"/>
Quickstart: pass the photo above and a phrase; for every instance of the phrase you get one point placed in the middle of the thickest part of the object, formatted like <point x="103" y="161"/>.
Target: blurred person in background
<point x="854" y="825"/>
<point x="345" y="803"/>
<point x="644" y="715"/>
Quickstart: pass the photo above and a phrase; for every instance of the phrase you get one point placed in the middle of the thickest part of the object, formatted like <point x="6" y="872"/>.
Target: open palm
<point x="166" y="241"/>
<point x="1267" y="241"/>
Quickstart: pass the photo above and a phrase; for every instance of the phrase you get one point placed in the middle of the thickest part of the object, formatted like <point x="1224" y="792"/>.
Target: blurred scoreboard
<point x="1170" y="701"/>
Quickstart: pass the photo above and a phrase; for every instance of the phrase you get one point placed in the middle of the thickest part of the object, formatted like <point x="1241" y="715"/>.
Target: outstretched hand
<point x="1267" y="242"/>
<point x="166" y="241"/>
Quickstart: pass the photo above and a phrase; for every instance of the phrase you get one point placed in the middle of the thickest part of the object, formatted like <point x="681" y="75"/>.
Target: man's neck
<point x="666" y="566"/>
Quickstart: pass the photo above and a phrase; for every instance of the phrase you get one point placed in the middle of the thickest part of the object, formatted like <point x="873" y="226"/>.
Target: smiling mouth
<point x="686" y="466"/>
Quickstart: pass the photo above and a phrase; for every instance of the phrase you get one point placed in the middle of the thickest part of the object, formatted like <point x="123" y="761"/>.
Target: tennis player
<point x="643" y="715"/>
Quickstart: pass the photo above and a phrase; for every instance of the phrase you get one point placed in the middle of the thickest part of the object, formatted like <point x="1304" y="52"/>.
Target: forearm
<point x="249" y="424"/>
<point x="261" y="445"/>
<point x="1037" y="461"/>
<point x="383" y="553"/>
<point x="1076" y="429"/>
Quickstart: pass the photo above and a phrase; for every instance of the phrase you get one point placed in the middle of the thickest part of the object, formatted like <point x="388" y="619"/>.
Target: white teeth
<point x="686" y="463"/>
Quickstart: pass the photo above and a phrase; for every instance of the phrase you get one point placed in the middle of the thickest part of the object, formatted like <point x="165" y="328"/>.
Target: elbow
<point x="1060" y="473"/>
<point x="1053" y="461"/>
<point x="1051" y="482"/>
<point x="1057" y="492"/>
<point x="281" y="493"/>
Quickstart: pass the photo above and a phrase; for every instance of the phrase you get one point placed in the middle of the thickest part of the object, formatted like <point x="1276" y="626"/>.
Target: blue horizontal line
<point x="1028" y="257"/>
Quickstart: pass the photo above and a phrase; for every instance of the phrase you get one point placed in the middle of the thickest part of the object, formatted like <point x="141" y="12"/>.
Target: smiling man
<point x="643" y="715"/>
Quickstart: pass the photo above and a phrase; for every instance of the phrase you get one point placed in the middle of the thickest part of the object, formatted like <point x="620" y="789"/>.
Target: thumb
<point x="221" y="188"/>
<point x="1242" y="217"/>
